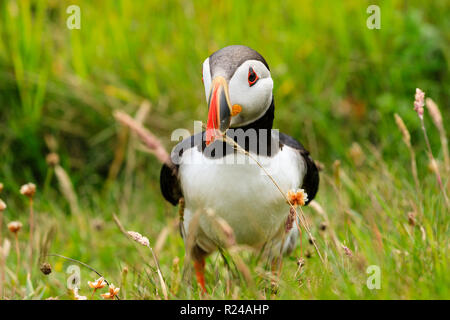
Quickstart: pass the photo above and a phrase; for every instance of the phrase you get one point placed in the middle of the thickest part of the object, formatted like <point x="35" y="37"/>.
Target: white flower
<point x="97" y="284"/>
<point x="113" y="291"/>
<point x="299" y="197"/>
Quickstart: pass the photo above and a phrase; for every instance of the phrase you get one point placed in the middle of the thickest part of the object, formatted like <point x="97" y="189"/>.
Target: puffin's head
<point x="238" y="88"/>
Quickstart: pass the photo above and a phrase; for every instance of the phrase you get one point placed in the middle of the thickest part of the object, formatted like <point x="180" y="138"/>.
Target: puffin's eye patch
<point x="252" y="77"/>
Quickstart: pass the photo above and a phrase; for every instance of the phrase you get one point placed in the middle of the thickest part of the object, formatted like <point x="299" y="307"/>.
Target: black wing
<point x="168" y="179"/>
<point x="169" y="184"/>
<point x="311" y="179"/>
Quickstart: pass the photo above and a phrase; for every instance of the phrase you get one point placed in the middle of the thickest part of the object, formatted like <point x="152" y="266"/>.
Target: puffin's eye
<point x="252" y="77"/>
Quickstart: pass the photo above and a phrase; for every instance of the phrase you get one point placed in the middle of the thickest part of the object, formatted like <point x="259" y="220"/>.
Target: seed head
<point x="411" y="219"/>
<point x="320" y="166"/>
<point x="357" y="154"/>
<point x="434" y="113"/>
<point x="323" y="226"/>
<point x="419" y="102"/>
<point x="46" y="268"/>
<point x="2" y="205"/>
<point x="403" y="129"/>
<point x="347" y="251"/>
<point x="52" y="159"/>
<point x="433" y="166"/>
<point x="139" y="238"/>
<point x="290" y="220"/>
<point x="14" y="226"/>
<point x="28" y="189"/>
<point x="125" y="270"/>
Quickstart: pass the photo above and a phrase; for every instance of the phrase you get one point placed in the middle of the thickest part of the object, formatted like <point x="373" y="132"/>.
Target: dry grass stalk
<point x="418" y="107"/>
<point x="15" y="227"/>
<point x="130" y="164"/>
<point x="119" y="155"/>
<point x="319" y="209"/>
<point x="67" y="189"/>
<point x="407" y="140"/>
<point x="436" y="116"/>
<point x="337" y="172"/>
<point x="175" y="273"/>
<point x="150" y="140"/>
<point x="356" y="154"/>
<point x="181" y="207"/>
<point x="2" y="256"/>
<point x="4" y="250"/>
<point x="347" y="251"/>
<point x="29" y="190"/>
<point x="241" y="266"/>
<point x="142" y="240"/>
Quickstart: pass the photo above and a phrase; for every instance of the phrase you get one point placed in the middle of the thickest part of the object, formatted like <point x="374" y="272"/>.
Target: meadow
<point x="383" y="196"/>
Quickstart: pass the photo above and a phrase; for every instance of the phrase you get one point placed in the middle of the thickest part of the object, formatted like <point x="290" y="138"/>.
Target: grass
<point x="337" y="88"/>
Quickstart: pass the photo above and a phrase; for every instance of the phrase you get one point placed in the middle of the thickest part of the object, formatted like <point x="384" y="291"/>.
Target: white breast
<point x="236" y="189"/>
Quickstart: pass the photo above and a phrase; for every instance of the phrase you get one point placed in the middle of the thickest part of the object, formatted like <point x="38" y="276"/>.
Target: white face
<point x="254" y="98"/>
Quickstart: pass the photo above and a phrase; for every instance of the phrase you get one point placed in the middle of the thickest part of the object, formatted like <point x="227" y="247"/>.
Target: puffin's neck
<point x="218" y="148"/>
<point x="265" y="122"/>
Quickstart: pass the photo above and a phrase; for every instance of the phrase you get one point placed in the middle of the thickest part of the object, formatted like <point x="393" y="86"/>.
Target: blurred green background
<point x="336" y="81"/>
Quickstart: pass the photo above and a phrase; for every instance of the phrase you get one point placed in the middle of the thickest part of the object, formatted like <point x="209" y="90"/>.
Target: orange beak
<point x="220" y="111"/>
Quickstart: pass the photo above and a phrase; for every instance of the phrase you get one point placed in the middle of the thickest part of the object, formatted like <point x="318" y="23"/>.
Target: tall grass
<point x="337" y="86"/>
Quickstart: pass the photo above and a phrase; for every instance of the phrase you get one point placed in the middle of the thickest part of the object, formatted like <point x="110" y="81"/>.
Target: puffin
<point x="230" y="177"/>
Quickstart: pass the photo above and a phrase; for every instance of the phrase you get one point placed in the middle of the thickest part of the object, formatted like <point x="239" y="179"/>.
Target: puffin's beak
<point x="219" y="115"/>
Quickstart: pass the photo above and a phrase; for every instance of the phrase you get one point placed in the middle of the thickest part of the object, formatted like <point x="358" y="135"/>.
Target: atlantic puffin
<point x="214" y="179"/>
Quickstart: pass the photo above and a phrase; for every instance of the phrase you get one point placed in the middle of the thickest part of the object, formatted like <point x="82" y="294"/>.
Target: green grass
<point x="336" y="83"/>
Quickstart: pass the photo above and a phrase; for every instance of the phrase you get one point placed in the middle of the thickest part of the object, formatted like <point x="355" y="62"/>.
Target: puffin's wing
<point x="311" y="178"/>
<point x="168" y="180"/>
<point x="169" y="184"/>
